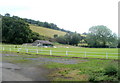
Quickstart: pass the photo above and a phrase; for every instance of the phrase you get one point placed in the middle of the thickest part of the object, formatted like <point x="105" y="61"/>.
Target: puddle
<point x="10" y="66"/>
<point x="65" y="61"/>
<point x="9" y="55"/>
<point x="44" y="60"/>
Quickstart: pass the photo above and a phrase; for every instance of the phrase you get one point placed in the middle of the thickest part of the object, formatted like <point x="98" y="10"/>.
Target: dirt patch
<point x="68" y="74"/>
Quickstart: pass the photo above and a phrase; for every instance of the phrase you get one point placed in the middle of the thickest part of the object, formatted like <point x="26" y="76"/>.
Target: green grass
<point x="46" y="31"/>
<point x="61" y="51"/>
<point x="85" y="70"/>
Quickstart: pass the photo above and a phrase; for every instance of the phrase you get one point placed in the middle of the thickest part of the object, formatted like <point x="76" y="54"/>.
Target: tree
<point x="113" y="41"/>
<point x="55" y="35"/>
<point x="74" y="38"/>
<point x="100" y="36"/>
<point x="7" y="14"/>
<point x="118" y="41"/>
<point x="70" y="38"/>
<point x="15" y="31"/>
<point x="61" y="40"/>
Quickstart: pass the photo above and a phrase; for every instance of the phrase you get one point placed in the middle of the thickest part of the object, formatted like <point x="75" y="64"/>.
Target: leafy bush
<point x="92" y="78"/>
<point x="119" y="73"/>
<point x="110" y="70"/>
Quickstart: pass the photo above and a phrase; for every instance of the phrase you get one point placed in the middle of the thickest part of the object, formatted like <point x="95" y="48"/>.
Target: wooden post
<point x="18" y="49"/>
<point x="50" y="52"/>
<point x="37" y="51"/>
<point x="26" y="50"/>
<point x="85" y="54"/>
<point x="3" y="48"/>
<point x="106" y="55"/>
<point x="66" y="52"/>
<point x="10" y="49"/>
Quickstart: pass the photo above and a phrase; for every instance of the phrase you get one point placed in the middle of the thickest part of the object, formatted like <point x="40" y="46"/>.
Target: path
<point x="33" y="71"/>
<point x="12" y="72"/>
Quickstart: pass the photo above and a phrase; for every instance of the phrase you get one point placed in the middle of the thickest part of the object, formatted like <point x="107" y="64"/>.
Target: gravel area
<point x="32" y="71"/>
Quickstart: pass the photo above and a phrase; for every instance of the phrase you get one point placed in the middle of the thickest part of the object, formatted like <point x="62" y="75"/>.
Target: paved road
<point x="8" y="73"/>
<point x="33" y="71"/>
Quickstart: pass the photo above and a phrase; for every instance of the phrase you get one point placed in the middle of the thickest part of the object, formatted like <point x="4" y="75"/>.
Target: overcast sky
<point x="73" y="15"/>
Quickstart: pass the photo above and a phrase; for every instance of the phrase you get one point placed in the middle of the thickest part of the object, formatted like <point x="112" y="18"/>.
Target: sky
<point x="73" y="15"/>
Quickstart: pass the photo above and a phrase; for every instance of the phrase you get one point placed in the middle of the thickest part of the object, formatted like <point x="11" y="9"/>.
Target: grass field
<point x="84" y="70"/>
<point x="46" y="31"/>
<point x="109" y="53"/>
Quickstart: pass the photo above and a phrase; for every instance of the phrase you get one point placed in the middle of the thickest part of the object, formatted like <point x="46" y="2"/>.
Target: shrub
<point x="110" y="70"/>
<point x="92" y="79"/>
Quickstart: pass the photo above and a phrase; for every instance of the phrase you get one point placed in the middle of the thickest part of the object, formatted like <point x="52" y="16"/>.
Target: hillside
<point x="46" y="31"/>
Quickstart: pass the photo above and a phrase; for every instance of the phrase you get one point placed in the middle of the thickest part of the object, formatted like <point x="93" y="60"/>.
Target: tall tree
<point x="15" y="30"/>
<point x="100" y="36"/>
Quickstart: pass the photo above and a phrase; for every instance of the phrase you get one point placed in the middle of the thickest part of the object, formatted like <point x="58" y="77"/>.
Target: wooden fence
<point x="65" y="53"/>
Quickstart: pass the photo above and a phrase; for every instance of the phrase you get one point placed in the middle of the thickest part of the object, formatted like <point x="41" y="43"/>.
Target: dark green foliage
<point x="92" y="78"/>
<point x="110" y="70"/>
<point x="119" y="42"/>
<point x="44" y="24"/>
<point x="118" y="73"/>
<point x="69" y="38"/>
<point x="7" y="14"/>
<point x="101" y="36"/>
<point x="108" y="73"/>
<point x="35" y="36"/>
<point x="16" y="31"/>
<point x="56" y="35"/>
<point x="61" y="40"/>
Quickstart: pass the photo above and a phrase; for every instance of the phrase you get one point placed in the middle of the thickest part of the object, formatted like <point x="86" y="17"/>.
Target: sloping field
<point x="46" y="31"/>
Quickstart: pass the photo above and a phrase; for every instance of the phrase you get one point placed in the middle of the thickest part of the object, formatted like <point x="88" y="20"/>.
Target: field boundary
<point x="84" y="54"/>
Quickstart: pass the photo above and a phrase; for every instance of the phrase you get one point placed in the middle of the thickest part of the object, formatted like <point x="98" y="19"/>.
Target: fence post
<point x="66" y="52"/>
<point x="26" y="50"/>
<point x="37" y="51"/>
<point x="85" y="54"/>
<point x="106" y="55"/>
<point x="18" y="49"/>
<point x="50" y="52"/>
<point x="3" y="48"/>
<point x="10" y="49"/>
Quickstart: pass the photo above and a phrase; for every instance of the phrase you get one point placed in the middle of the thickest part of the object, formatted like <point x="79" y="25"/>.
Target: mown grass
<point x="71" y="51"/>
<point x="46" y="31"/>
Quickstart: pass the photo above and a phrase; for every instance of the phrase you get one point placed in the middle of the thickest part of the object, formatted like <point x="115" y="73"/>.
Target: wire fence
<point x="84" y="54"/>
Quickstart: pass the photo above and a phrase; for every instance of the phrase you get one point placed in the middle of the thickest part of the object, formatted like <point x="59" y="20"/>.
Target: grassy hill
<point x="46" y="31"/>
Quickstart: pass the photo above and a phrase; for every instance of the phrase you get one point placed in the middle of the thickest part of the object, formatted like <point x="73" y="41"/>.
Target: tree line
<point x="98" y="37"/>
<point x="39" y="23"/>
<point x="70" y="39"/>
<point x="16" y="30"/>
<point x="45" y="24"/>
